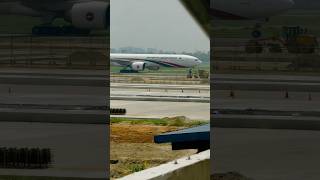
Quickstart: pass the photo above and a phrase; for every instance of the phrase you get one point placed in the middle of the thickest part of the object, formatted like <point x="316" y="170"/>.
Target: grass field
<point x="133" y="148"/>
<point x="175" y="121"/>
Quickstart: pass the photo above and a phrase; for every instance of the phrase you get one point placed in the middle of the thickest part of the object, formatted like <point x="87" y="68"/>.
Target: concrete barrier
<point x="188" y="168"/>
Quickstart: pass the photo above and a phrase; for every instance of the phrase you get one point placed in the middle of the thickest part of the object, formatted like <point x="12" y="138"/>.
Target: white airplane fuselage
<point x="139" y="62"/>
<point x="248" y="9"/>
<point x="85" y="14"/>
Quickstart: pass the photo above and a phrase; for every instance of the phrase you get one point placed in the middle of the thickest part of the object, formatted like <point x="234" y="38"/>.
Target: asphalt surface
<point x="161" y="100"/>
<point x="265" y="82"/>
<point x="64" y="110"/>
<point x="265" y="126"/>
<point x="79" y="150"/>
<point x="276" y="100"/>
<point x="160" y="92"/>
<point x="265" y="101"/>
<point x="266" y="154"/>
<point x="158" y="109"/>
<point x="49" y="95"/>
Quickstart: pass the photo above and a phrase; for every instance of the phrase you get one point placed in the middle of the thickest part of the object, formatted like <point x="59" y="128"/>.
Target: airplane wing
<point x="45" y="1"/>
<point x="49" y="4"/>
<point x="40" y="4"/>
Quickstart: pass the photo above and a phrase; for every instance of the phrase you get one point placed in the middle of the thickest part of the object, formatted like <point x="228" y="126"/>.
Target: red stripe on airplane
<point x="177" y="65"/>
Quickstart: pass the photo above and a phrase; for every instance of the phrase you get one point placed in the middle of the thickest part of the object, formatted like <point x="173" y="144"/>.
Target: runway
<point x="155" y="109"/>
<point x="266" y="154"/>
<point x="66" y="77"/>
<point x="146" y="86"/>
<point x="266" y="126"/>
<point x="264" y="101"/>
<point x="78" y="149"/>
<point x="49" y="95"/>
<point x="64" y="110"/>
<point x="160" y="92"/>
<point x="161" y="100"/>
<point x="265" y="82"/>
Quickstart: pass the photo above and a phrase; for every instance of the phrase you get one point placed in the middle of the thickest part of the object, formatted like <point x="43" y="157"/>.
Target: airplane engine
<point x="138" y="66"/>
<point x="90" y="15"/>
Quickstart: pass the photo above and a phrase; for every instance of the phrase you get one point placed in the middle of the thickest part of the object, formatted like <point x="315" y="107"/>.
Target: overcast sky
<point x="160" y="24"/>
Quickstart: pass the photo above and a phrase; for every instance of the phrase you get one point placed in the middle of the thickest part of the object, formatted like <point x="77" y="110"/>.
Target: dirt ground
<point x="133" y="149"/>
<point x="128" y="133"/>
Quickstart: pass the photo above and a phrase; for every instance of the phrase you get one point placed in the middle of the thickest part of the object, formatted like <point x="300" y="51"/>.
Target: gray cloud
<point x="161" y="24"/>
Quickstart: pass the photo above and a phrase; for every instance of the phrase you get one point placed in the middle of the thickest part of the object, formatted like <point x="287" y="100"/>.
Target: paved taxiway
<point x="265" y="82"/>
<point x="59" y="95"/>
<point x="161" y="100"/>
<point x="160" y="92"/>
<point x="64" y="110"/>
<point x="150" y="109"/>
<point x="266" y="154"/>
<point x="78" y="149"/>
<point x="274" y="107"/>
<point x="271" y="98"/>
<point x="296" y="101"/>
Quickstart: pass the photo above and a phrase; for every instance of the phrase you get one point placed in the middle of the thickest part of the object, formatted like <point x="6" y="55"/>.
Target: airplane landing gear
<point x="128" y="71"/>
<point x="256" y="33"/>
<point x="190" y="74"/>
<point x="47" y="30"/>
<point x="193" y="73"/>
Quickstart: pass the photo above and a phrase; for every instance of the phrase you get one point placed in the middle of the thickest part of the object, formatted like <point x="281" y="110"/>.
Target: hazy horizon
<point x="164" y="25"/>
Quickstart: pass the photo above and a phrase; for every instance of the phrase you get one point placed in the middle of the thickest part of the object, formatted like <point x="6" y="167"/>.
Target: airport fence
<point x="62" y="52"/>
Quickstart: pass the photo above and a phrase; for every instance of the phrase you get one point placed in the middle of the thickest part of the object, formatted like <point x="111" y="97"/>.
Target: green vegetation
<point x="136" y="167"/>
<point x="179" y="121"/>
<point x="165" y="70"/>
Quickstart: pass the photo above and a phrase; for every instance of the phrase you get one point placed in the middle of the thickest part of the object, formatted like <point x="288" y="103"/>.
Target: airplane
<point x="248" y="9"/>
<point x="307" y="5"/>
<point x="84" y="15"/>
<point x="140" y="62"/>
<point x="257" y="10"/>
